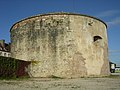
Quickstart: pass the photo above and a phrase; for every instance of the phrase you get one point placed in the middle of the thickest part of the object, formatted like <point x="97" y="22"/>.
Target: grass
<point x="55" y="77"/>
<point x="114" y="76"/>
<point x="117" y="71"/>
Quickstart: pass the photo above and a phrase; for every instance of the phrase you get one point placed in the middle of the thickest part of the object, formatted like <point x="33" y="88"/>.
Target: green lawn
<point x="117" y="71"/>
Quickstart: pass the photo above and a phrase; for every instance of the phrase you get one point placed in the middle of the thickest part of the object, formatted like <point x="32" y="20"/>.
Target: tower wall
<point x="62" y="45"/>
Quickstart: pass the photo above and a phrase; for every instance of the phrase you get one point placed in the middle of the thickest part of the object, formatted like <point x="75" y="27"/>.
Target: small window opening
<point x="90" y="23"/>
<point x="4" y="54"/>
<point x="97" y="38"/>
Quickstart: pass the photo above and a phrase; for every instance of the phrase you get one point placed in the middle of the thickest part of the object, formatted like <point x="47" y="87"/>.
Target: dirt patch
<point x="108" y="83"/>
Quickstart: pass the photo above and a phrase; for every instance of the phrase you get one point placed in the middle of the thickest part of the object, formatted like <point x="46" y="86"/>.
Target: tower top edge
<point x="58" y="13"/>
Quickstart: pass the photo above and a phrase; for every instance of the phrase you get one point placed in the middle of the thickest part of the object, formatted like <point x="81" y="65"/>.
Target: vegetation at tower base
<point x="10" y="67"/>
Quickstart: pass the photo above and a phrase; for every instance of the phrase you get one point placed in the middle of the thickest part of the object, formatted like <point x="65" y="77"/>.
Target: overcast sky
<point x="106" y="10"/>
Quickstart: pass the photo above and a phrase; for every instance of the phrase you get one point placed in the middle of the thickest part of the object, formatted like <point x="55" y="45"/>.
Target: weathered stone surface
<point x="62" y="45"/>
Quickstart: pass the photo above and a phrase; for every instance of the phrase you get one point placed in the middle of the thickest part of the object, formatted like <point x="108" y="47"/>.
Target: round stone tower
<point x="61" y="44"/>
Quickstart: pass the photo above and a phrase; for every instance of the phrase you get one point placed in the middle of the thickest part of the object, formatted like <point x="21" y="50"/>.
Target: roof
<point x="58" y="13"/>
<point x="112" y="63"/>
<point x="5" y="47"/>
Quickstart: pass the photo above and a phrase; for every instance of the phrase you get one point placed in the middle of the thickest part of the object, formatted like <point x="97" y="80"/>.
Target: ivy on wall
<point x="10" y="67"/>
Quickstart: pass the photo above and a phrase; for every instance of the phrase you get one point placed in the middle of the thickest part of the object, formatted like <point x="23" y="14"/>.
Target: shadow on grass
<point x="14" y="78"/>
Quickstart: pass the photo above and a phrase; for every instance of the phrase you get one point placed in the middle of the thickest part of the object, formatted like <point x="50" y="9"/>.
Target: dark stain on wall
<point x="105" y="68"/>
<point x="78" y="65"/>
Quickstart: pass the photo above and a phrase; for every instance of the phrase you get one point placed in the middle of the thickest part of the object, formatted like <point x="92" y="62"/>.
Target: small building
<point x="117" y="68"/>
<point x="112" y="67"/>
<point x="4" y="49"/>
